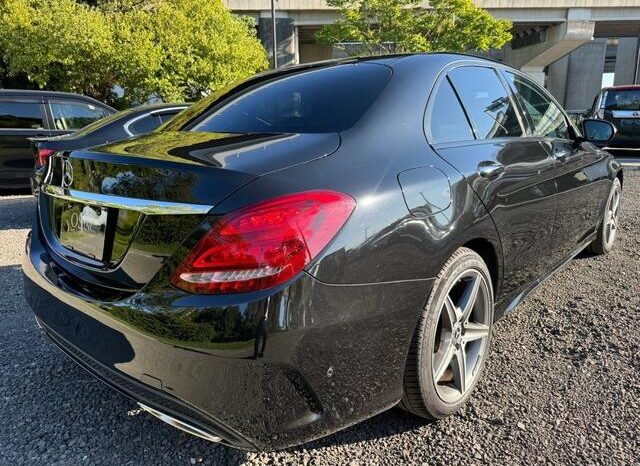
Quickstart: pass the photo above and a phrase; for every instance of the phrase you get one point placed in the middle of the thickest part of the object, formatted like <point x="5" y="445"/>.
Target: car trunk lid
<point x="113" y="215"/>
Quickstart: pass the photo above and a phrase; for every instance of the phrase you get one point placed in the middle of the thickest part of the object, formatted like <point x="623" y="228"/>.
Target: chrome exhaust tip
<point x="183" y="426"/>
<point x="38" y="323"/>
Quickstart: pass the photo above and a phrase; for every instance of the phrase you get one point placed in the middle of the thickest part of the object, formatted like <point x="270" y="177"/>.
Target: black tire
<point x="421" y="396"/>
<point x="604" y="242"/>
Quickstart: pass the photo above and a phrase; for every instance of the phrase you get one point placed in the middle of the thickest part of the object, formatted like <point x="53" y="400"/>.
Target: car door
<point x="510" y="172"/>
<point x="20" y="119"/>
<point x="581" y="174"/>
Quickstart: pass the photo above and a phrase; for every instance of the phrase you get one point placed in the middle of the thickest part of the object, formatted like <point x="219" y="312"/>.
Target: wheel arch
<point x="489" y="254"/>
<point x="620" y="176"/>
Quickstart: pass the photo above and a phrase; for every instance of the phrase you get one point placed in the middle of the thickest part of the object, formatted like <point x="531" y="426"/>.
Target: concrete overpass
<point x="565" y="44"/>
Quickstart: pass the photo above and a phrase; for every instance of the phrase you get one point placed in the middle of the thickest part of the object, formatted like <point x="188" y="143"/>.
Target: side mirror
<point x="598" y="131"/>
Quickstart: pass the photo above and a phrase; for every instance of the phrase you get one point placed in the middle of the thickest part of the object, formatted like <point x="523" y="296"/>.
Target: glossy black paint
<point x="16" y="156"/>
<point x="282" y="366"/>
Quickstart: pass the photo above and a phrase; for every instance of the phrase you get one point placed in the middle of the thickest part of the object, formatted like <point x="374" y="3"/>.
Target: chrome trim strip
<point x="188" y="428"/>
<point x="146" y="206"/>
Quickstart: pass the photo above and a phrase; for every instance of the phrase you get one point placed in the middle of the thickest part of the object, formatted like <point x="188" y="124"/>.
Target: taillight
<point x="265" y="244"/>
<point x="42" y="155"/>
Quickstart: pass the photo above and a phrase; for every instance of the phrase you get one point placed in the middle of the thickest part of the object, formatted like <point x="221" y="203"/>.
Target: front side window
<point x="546" y="117"/>
<point x="447" y="120"/>
<point x="486" y="101"/>
<point x="75" y="115"/>
<point x="326" y="100"/>
<point x="21" y="115"/>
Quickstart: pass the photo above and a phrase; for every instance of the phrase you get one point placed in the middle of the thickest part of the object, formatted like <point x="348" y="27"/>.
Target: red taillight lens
<point x="263" y="245"/>
<point x="42" y="156"/>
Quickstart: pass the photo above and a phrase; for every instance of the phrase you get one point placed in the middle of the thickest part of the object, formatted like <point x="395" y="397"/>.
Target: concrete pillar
<point x="285" y="34"/>
<point x="627" y="70"/>
<point x="552" y="44"/>
<point x="557" y="78"/>
<point x="536" y="73"/>
<point x="584" y="75"/>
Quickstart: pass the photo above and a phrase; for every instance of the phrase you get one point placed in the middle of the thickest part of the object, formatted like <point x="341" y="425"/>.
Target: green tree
<point x="397" y="26"/>
<point x="172" y="49"/>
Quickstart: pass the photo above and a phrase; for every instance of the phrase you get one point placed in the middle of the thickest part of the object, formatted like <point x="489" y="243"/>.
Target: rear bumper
<point x="142" y="393"/>
<point x="319" y="357"/>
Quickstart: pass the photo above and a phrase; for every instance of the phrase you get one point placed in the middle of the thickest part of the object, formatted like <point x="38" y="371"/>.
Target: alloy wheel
<point x="462" y="336"/>
<point x="611" y="217"/>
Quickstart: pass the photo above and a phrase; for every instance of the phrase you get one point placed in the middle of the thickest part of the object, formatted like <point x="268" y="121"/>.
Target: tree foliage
<point x="172" y="49"/>
<point x="395" y="26"/>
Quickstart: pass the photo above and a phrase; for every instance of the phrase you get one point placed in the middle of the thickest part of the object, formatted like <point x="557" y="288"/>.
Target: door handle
<point x="490" y="169"/>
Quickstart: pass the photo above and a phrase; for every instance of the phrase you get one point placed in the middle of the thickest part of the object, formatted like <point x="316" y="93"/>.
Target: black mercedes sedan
<point x="317" y="244"/>
<point x="122" y="125"/>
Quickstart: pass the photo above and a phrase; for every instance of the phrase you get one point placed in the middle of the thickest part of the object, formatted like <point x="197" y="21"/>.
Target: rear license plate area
<point x="81" y="228"/>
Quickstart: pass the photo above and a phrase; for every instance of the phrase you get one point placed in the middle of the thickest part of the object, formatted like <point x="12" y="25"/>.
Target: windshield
<point x="326" y="100"/>
<point x="623" y="100"/>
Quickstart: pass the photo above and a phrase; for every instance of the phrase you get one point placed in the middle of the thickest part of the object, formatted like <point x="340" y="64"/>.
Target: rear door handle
<point x="490" y="169"/>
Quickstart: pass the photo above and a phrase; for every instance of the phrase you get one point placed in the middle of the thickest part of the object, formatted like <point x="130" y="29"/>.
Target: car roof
<point x="133" y="112"/>
<point x="161" y="106"/>
<point x="394" y="58"/>
<point x="49" y="94"/>
<point x="625" y="87"/>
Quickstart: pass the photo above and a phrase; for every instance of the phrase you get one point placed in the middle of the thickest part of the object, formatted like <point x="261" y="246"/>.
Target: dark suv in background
<point x="27" y="114"/>
<point x="620" y="105"/>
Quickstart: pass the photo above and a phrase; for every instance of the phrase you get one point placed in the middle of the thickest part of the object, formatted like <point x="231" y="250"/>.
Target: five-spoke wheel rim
<point x="462" y="336"/>
<point x="611" y="217"/>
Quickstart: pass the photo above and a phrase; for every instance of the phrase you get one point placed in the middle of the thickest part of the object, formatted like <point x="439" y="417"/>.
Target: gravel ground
<point x="561" y="387"/>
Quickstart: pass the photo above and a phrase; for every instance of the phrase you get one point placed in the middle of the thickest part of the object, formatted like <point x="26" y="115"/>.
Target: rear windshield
<point x="327" y="100"/>
<point x="623" y="100"/>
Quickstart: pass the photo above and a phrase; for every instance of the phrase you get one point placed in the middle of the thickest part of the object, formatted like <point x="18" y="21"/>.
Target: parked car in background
<point x="318" y="244"/>
<point x="27" y="114"/>
<point x="620" y="105"/>
<point x="119" y="126"/>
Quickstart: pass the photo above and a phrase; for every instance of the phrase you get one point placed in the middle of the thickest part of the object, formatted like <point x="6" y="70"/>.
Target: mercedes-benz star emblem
<point x="67" y="174"/>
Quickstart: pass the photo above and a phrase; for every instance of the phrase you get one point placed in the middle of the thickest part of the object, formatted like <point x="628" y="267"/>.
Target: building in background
<point x="567" y="45"/>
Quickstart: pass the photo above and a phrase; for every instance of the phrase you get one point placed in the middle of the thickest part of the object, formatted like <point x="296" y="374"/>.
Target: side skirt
<point x="509" y="308"/>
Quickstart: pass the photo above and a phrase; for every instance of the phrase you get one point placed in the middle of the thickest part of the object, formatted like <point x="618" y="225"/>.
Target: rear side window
<point x="327" y="100"/>
<point x="166" y="116"/>
<point x="144" y="125"/>
<point x="486" y="101"/>
<point x="447" y="121"/>
<point x="74" y="115"/>
<point x="546" y="116"/>
<point x="21" y="115"/>
<point x="628" y="99"/>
